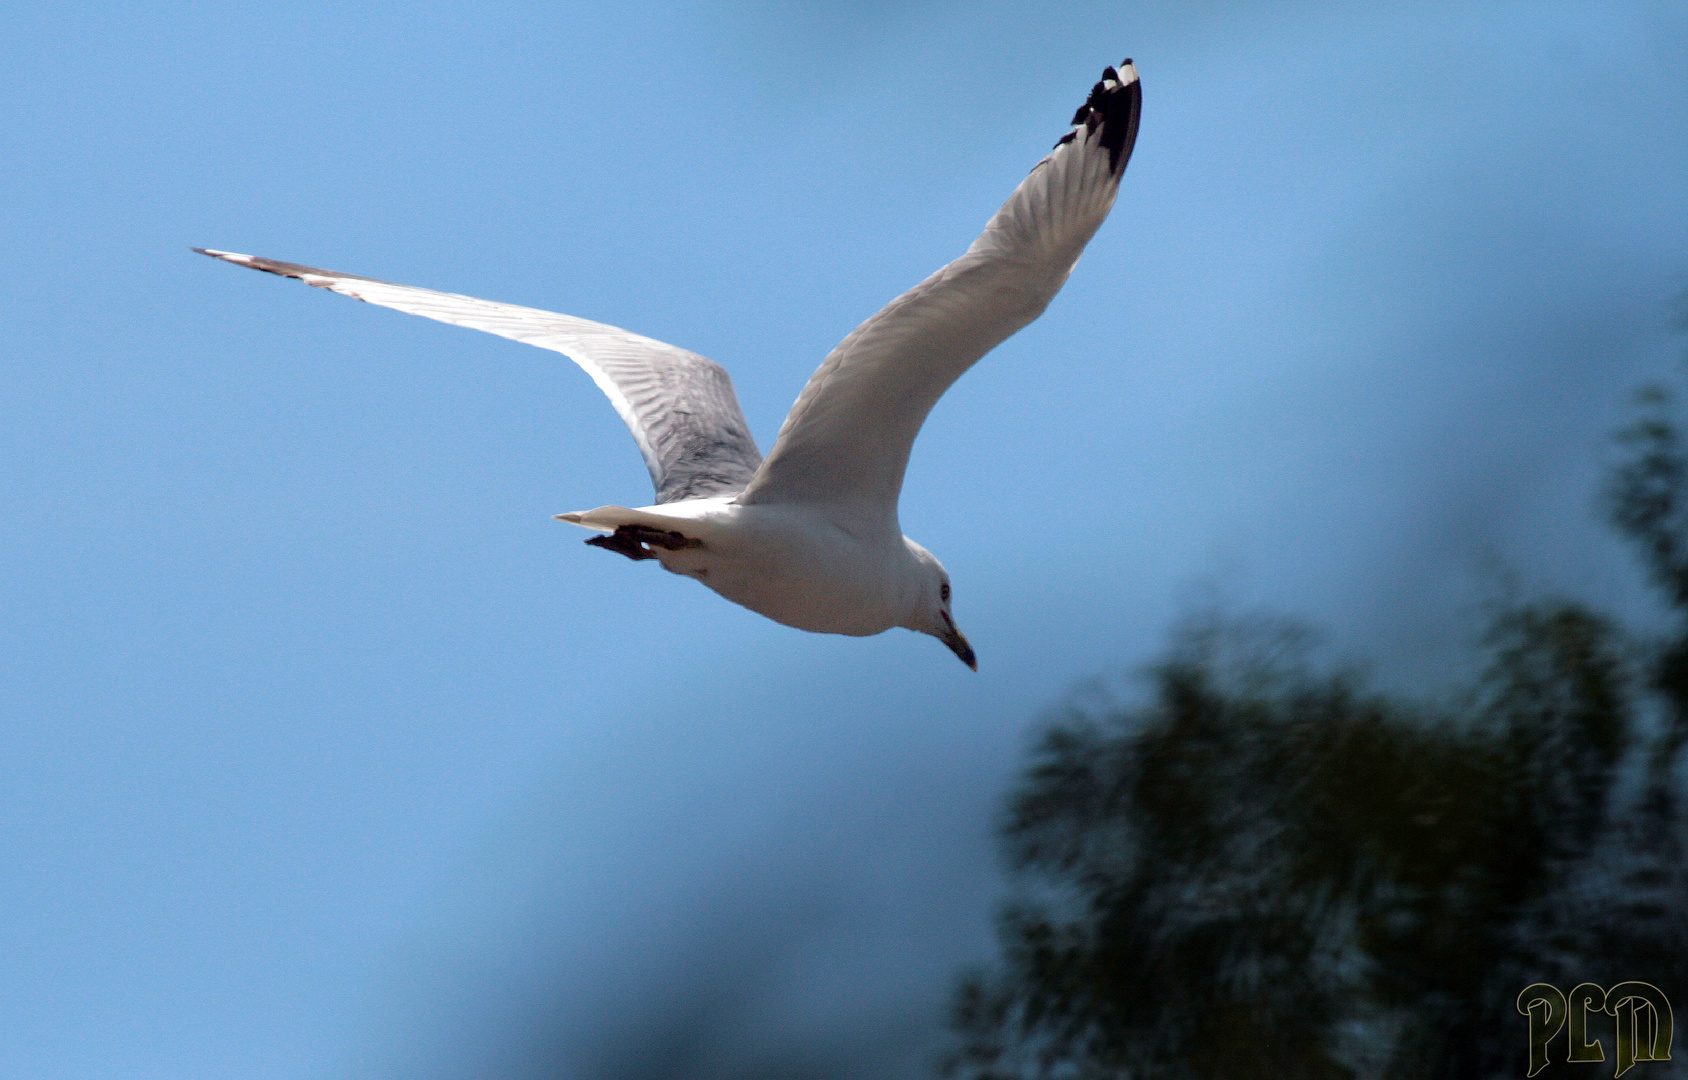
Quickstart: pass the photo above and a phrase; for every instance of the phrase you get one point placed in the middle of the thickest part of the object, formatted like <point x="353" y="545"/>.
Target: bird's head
<point x="931" y="611"/>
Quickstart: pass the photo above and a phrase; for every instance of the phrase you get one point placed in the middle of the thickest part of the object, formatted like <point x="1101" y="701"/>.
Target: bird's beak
<point x="958" y="644"/>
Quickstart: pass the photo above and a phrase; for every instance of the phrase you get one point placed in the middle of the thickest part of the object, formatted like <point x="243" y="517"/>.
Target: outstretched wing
<point x="680" y="407"/>
<point x="846" y="442"/>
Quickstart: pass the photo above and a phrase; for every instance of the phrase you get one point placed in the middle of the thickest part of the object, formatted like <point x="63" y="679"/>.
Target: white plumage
<point x="809" y="537"/>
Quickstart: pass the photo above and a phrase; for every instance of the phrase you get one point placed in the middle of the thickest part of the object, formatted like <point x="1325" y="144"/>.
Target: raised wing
<point x="680" y="407"/>
<point x="846" y="442"/>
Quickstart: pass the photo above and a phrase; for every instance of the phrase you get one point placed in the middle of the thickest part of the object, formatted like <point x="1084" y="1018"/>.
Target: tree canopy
<point x="1266" y="868"/>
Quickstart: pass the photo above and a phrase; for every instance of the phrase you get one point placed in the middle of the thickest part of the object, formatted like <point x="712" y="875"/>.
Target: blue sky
<point x="330" y="755"/>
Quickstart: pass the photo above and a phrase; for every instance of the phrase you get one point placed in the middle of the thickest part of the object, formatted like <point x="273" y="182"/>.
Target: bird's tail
<point x="609" y="518"/>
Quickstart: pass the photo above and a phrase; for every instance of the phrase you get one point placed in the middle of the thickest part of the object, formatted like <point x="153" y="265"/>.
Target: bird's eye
<point x="943" y="592"/>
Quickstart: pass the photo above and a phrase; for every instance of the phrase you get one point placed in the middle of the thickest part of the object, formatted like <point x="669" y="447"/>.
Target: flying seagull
<point x="808" y="536"/>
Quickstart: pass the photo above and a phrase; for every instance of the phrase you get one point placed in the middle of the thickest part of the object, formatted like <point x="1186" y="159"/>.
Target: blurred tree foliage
<point x="1268" y="870"/>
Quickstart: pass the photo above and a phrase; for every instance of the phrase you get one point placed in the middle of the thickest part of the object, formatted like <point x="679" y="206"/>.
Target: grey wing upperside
<point x="845" y="444"/>
<point x="680" y="407"/>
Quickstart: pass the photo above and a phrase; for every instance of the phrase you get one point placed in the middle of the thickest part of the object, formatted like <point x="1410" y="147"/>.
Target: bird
<point x="809" y="536"/>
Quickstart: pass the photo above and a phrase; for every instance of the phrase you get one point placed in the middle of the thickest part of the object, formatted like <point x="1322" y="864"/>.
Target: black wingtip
<point x="310" y="275"/>
<point x="1115" y="105"/>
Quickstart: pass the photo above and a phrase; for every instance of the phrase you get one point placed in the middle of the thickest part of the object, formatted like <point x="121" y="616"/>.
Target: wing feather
<point x="845" y="444"/>
<point x="680" y="407"/>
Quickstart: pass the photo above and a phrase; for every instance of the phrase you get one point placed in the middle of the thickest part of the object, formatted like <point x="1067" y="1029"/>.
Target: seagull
<point x="809" y="536"/>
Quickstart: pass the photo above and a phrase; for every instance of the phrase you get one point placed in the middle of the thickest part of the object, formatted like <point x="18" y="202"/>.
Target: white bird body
<point x="786" y="561"/>
<point x="809" y="537"/>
